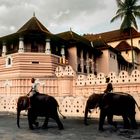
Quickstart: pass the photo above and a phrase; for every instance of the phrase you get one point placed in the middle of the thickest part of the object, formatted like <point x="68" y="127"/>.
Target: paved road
<point x="74" y="130"/>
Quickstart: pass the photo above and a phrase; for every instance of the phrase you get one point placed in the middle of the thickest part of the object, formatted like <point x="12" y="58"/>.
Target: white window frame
<point x="7" y="61"/>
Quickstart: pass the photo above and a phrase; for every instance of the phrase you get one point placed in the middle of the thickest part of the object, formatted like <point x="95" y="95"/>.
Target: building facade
<point x="122" y="42"/>
<point x="33" y="51"/>
<point x="66" y="65"/>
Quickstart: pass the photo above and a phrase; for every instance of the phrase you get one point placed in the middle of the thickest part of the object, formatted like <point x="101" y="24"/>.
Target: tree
<point x="128" y="11"/>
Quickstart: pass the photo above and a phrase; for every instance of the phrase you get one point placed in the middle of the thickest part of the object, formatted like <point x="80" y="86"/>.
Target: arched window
<point x="9" y="61"/>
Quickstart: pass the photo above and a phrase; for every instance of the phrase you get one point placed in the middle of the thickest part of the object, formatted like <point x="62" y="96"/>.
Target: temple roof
<point x="73" y="37"/>
<point x="111" y="36"/>
<point x="33" y="25"/>
<point x="32" y="28"/>
<point x="124" y="46"/>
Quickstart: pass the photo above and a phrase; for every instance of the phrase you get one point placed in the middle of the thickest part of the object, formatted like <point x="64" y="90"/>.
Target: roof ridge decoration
<point x="71" y="32"/>
<point x="33" y="24"/>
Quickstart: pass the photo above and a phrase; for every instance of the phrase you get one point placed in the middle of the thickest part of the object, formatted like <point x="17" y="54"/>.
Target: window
<point x="139" y="44"/>
<point x="8" y="61"/>
<point x="112" y="56"/>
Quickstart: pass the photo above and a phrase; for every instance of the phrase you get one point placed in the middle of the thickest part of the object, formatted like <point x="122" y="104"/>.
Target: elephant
<point x="42" y="105"/>
<point x="117" y="103"/>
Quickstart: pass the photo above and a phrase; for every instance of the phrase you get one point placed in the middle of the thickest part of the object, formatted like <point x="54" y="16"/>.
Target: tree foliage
<point x="128" y="11"/>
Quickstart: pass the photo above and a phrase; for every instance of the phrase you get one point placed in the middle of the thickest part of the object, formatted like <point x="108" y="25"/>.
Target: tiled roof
<point x="73" y="37"/>
<point x="112" y="35"/>
<point x="124" y="46"/>
<point x="99" y="43"/>
<point x="33" y="25"/>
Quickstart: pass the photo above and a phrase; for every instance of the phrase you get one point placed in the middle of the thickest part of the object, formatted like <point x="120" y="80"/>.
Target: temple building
<point x="33" y="51"/>
<point x="122" y="42"/>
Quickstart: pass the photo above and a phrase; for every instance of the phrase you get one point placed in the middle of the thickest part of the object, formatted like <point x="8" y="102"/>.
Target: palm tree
<point x="128" y="10"/>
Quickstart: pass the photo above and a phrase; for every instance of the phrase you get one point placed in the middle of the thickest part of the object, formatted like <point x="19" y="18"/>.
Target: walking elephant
<point x="43" y="106"/>
<point x="121" y="104"/>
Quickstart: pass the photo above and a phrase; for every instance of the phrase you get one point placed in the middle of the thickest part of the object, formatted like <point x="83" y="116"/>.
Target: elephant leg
<point x="102" y="119"/>
<point x="133" y="122"/>
<point x="110" y="120"/>
<point x="57" y="119"/>
<point x="126" y="122"/>
<point x="35" y="122"/>
<point x="30" y="119"/>
<point x="45" y="125"/>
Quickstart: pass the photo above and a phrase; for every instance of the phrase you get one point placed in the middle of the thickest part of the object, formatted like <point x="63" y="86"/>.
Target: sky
<point x="81" y="16"/>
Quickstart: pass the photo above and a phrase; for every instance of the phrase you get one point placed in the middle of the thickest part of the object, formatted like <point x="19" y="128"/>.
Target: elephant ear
<point x="105" y="101"/>
<point x="101" y="101"/>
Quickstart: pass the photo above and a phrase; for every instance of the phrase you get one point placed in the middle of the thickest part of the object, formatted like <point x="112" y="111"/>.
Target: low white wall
<point x="69" y="106"/>
<point x="70" y="90"/>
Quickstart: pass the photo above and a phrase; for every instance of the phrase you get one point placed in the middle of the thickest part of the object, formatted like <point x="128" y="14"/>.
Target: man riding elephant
<point x="107" y="98"/>
<point x="33" y="92"/>
<point x="109" y="87"/>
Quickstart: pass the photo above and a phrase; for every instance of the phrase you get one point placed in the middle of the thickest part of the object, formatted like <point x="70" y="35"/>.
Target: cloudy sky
<point x="82" y="16"/>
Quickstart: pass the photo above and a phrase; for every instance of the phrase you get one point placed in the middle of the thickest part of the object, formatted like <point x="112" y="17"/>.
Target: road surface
<point x="74" y="130"/>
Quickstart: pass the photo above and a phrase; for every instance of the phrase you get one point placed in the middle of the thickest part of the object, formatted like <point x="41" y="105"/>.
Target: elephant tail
<point x="64" y="117"/>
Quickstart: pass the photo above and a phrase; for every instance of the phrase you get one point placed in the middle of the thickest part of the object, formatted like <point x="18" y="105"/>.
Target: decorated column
<point x="92" y="64"/>
<point x="63" y="54"/>
<point x="82" y="62"/>
<point x="48" y="46"/>
<point x="4" y="50"/>
<point x="87" y="62"/>
<point x="21" y="45"/>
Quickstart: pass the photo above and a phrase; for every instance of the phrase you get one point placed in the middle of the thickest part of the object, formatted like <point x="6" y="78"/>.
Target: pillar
<point x="82" y="62"/>
<point x="4" y="50"/>
<point x="92" y="64"/>
<point x="87" y="62"/>
<point x="63" y="53"/>
<point x="48" y="46"/>
<point x="21" y="45"/>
